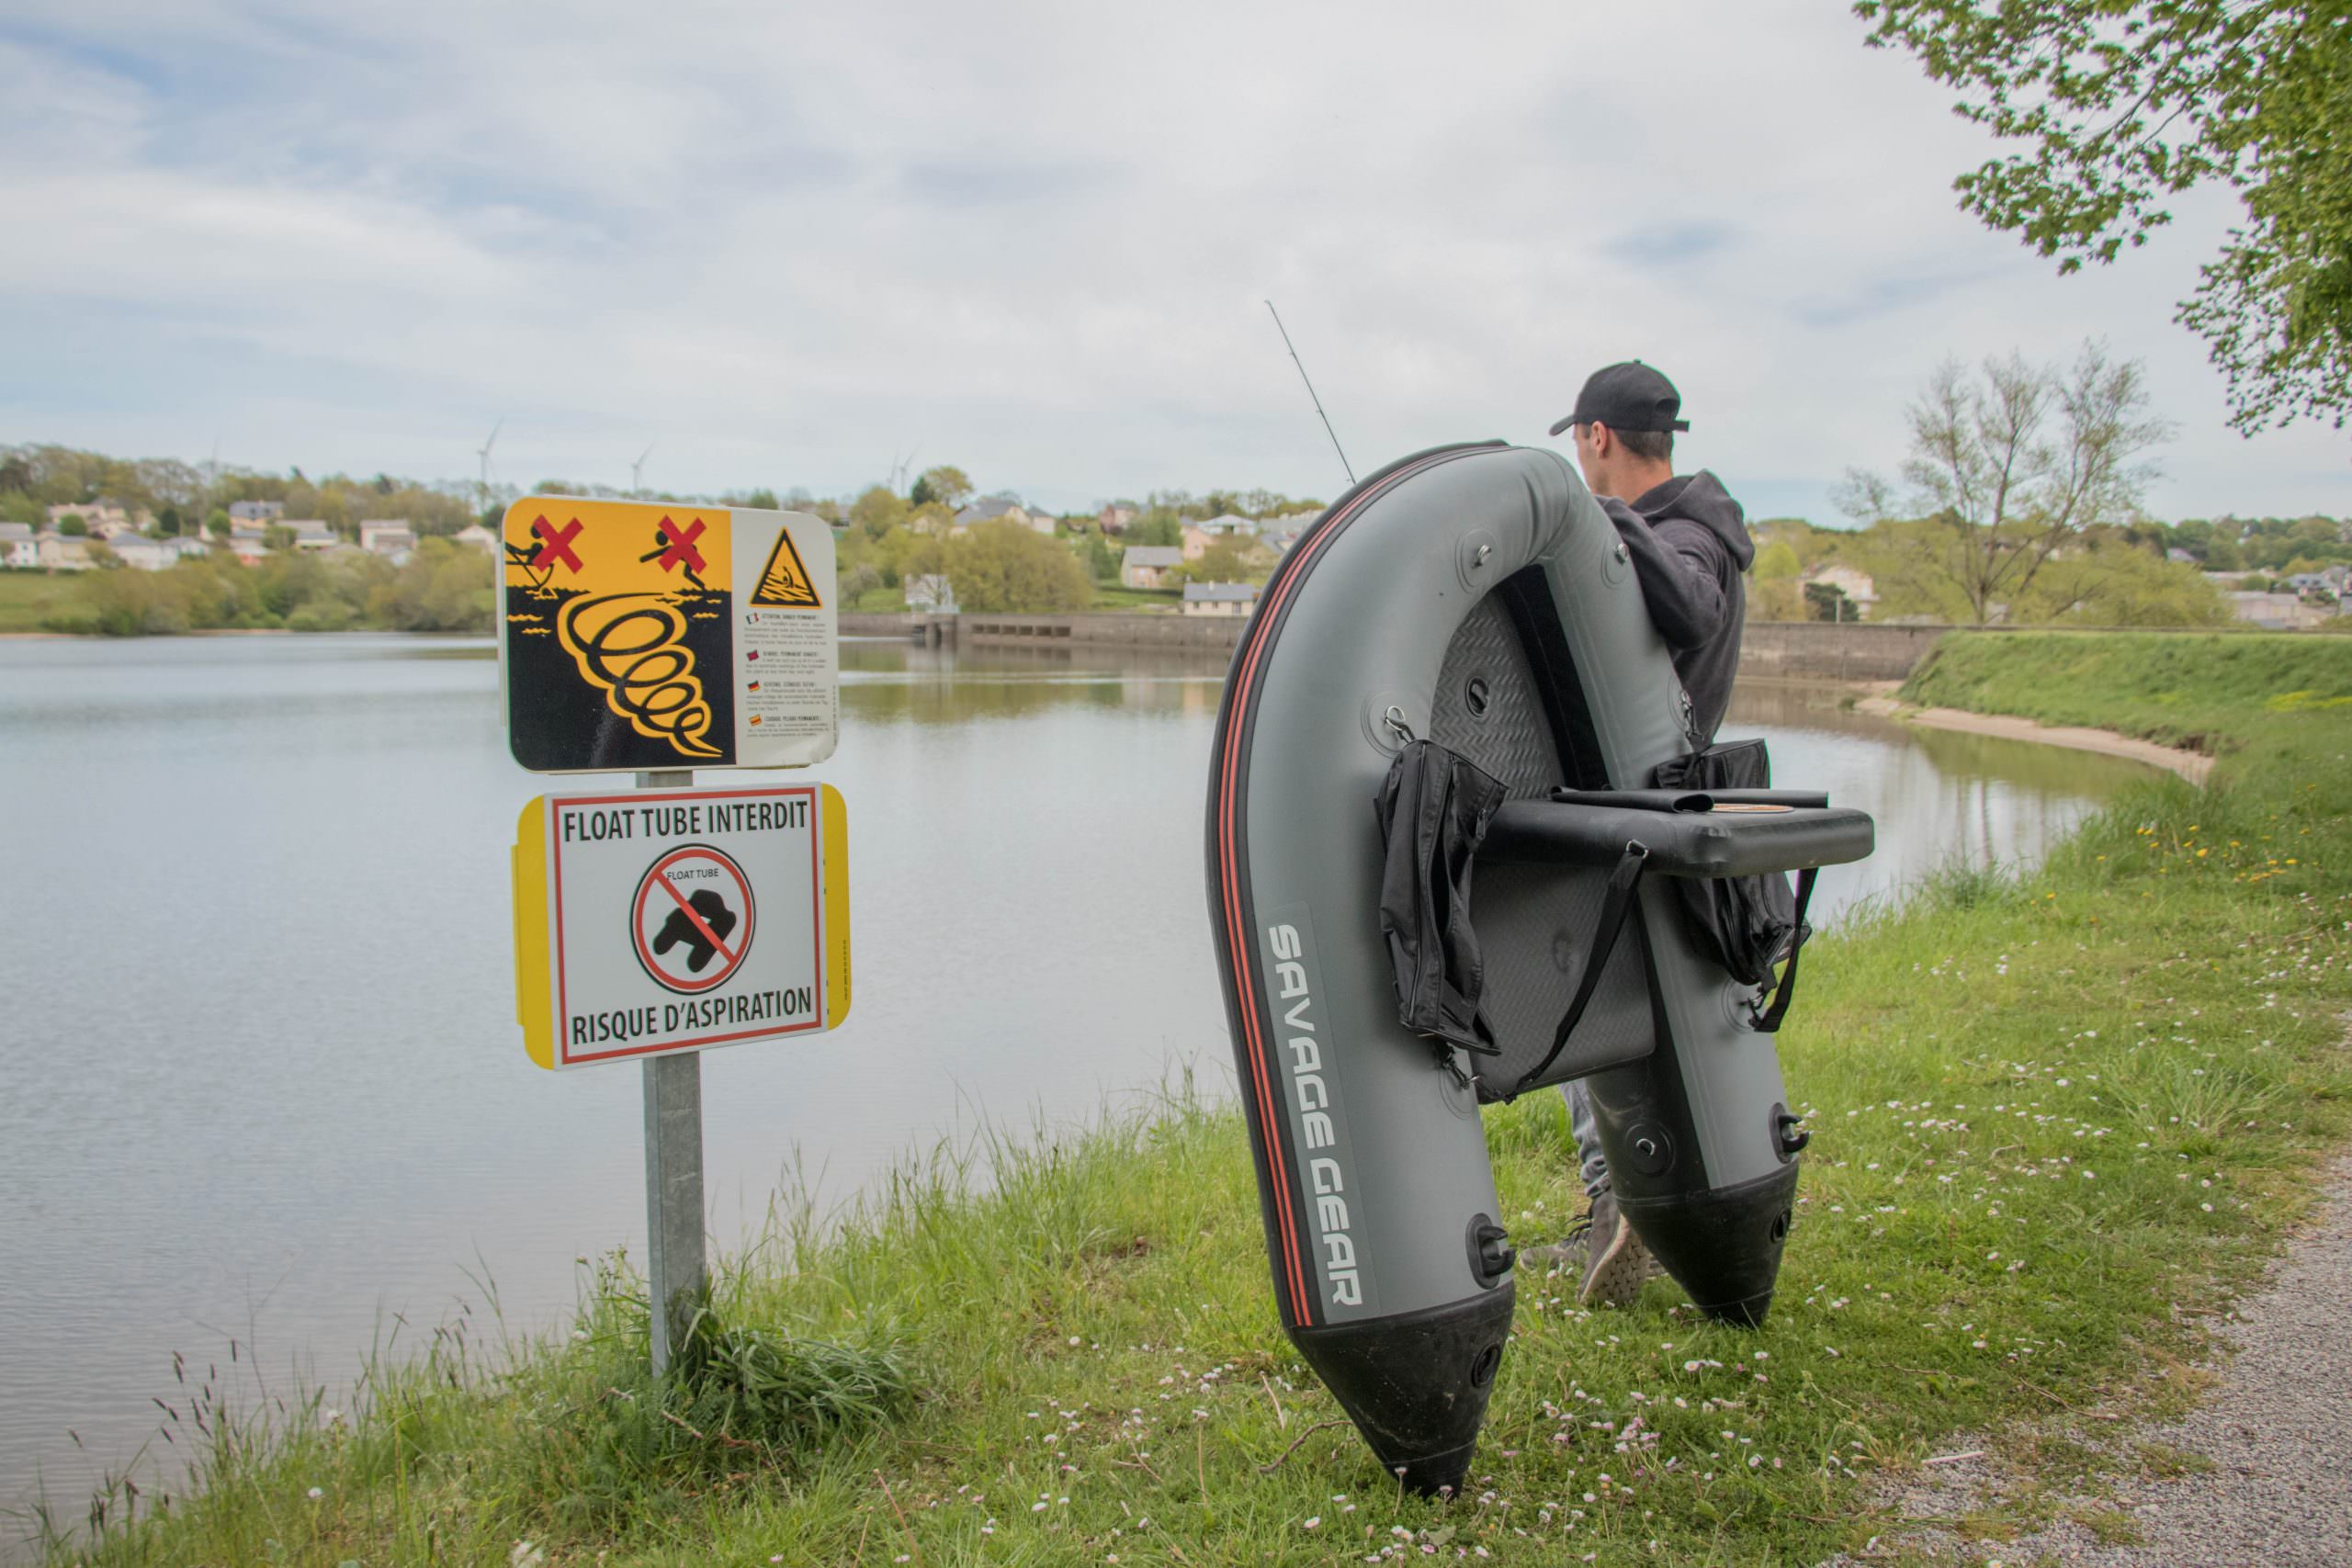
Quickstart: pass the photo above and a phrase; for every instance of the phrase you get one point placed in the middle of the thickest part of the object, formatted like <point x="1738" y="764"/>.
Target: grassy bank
<point x="2059" y="1121"/>
<point x="26" y="599"/>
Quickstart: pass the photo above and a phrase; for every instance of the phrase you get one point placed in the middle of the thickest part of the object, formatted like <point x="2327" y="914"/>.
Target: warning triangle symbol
<point x="784" y="580"/>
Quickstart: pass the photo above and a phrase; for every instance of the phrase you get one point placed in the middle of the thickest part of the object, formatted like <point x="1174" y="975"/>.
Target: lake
<point x="262" y="1079"/>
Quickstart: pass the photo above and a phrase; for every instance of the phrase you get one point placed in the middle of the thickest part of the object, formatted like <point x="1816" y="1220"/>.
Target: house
<point x="17" y="547"/>
<point x="1147" y="566"/>
<point x="246" y="545"/>
<point x="147" y="555"/>
<point x="1860" y="591"/>
<point x="254" y="514"/>
<point x="1278" y="539"/>
<point x="992" y="508"/>
<point x="393" y="539"/>
<point x="2179" y="556"/>
<point x="61" y="552"/>
<point x="1117" y="517"/>
<point x="187" y="546"/>
<point x="931" y="592"/>
<point x="1220" y="598"/>
<point x="310" y="533"/>
<point x="474" y="536"/>
<point x="103" y="518"/>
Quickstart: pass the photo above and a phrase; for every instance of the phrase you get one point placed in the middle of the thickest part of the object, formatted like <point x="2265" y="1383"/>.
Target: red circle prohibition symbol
<point x="692" y="934"/>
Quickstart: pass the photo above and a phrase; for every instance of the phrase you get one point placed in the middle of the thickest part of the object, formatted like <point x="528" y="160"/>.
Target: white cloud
<point x="1031" y="239"/>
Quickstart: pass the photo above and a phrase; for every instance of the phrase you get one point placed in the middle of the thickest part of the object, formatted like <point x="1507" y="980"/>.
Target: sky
<point x="788" y="244"/>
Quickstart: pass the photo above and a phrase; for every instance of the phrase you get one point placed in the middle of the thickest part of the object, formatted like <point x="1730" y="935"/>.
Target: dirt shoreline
<point x="2191" y="765"/>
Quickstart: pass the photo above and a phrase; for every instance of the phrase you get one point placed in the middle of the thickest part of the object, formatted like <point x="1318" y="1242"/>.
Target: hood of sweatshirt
<point x="1701" y="497"/>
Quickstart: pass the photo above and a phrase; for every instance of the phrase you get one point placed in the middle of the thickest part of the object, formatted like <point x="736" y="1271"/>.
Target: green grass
<point x="2183" y="689"/>
<point x="27" y="596"/>
<point x="1111" y="596"/>
<point x="2059" y="1119"/>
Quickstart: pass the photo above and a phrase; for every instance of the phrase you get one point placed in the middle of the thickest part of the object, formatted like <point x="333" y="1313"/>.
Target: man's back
<point x="1688" y="541"/>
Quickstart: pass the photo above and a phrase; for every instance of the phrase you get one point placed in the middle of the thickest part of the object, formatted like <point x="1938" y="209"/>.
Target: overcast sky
<point x="789" y="244"/>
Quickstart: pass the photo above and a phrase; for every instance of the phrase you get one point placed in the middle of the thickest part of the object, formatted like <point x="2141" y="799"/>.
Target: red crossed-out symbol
<point x="558" y="546"/>
<point x="680" y="545"/>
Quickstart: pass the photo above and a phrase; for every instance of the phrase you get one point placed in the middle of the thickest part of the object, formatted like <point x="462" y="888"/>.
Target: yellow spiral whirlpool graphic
<point x="633" y="647"/>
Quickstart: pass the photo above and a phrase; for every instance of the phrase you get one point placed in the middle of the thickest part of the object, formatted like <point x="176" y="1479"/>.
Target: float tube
<point x="1477" y="596"/>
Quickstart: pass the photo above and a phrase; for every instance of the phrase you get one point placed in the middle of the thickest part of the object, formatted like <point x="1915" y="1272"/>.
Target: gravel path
<point x="2276" y="1429"/>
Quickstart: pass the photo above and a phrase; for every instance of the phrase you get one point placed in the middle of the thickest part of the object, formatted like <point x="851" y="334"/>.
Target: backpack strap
<point x="1614" y="909"/>
<point x="1767" y="1019"/>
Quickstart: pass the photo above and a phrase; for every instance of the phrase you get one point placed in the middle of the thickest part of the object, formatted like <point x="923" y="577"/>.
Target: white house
<point x="1220" y="598"/>
<point x="1860" y="589"/>
<point x="17" y="547"/>
<point x="474" y="536"/>
<point x="310" y="533"/>
<point x="1147" y="566"/>
<point x="393" y="539"/>
<point x="147" y="555"/>
<point x="246" y="545"/>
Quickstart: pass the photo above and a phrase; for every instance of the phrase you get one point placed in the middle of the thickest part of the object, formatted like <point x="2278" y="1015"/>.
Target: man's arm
<point x="1680" y="568"/>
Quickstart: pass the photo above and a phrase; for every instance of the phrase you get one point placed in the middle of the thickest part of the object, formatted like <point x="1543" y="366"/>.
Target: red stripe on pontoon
<point x="1262" y="626"/>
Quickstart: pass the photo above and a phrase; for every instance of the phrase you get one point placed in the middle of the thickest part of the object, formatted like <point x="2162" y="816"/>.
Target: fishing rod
<point x="1310" y="391"/>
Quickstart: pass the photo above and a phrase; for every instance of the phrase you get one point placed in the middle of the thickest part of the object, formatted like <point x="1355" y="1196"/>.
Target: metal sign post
<point x="659" y="639"/>
<point x="675" y="1270"/>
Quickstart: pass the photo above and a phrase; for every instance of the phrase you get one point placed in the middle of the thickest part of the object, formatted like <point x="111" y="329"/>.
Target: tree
<point x="73" y="527"/>
<point x="1229" y="560"/>
<point x="1003" y="567"/>
<point x="1828" y="601"/>
<point x="216" y="524"/>
<point x="2124" y="104"/>
<point x="944" y="484"/>
<point x="760" y="500"/>
<point x="878" y="510"/>
<point x="2011" y="464"/>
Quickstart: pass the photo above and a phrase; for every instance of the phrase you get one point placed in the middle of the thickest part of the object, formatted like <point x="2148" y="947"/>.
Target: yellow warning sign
<point x="783" y="581"/>
<point x="629" y="641"/>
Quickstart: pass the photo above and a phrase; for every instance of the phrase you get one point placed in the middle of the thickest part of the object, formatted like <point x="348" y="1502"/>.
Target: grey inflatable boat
<point x="1459" y="643"/>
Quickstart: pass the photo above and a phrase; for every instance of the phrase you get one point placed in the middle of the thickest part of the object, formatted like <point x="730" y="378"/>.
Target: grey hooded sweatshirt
<point x="1690" y="544"/>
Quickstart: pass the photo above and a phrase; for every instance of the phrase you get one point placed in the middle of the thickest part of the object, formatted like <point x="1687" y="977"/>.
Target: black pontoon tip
<point x="1417" y="1385"/>
<point x="1722" y="1245"/>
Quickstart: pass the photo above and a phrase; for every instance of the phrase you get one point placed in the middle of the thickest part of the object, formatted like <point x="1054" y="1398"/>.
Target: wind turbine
<point x="483" y="453"/>
<point x="637" y="469"/>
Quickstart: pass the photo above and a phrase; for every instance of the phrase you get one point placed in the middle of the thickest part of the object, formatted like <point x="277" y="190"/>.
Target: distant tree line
<point x="442" y="587"/>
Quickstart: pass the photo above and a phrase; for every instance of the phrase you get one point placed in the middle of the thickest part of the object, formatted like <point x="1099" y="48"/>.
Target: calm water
<point x="259" y="1076"/>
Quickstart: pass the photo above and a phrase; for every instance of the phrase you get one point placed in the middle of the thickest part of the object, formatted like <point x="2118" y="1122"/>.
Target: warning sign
<point x="625" y="643"/>
<point x="785" y="581"/>
<point x="665" y="920"/>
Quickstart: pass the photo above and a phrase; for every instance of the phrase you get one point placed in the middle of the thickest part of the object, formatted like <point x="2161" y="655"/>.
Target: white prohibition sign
<point x="691" y="921"/>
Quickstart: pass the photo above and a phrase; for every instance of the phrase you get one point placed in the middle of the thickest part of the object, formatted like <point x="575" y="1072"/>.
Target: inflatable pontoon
<point x="1452" y="672"/>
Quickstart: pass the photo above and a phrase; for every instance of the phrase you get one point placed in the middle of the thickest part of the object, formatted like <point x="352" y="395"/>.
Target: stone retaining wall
<point x="1796" y="651"/>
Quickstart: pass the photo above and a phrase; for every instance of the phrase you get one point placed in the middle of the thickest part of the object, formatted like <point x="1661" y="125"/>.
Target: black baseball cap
<point x="1630" y="396"/>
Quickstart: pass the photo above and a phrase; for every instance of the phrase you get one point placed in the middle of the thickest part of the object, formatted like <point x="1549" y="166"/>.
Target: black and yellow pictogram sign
<point x="784" y="582"/>
<point x="626" y="645"/>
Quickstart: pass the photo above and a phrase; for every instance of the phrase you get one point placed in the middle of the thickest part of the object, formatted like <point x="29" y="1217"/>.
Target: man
<point x="1690" y="544"/>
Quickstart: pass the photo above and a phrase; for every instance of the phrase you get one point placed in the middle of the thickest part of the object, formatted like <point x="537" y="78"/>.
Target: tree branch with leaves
<point x="2125" y="104"/>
